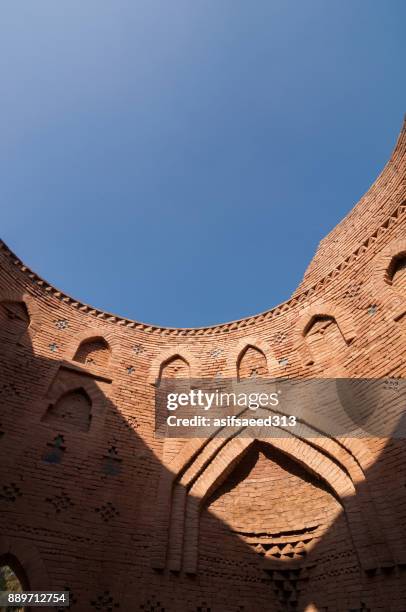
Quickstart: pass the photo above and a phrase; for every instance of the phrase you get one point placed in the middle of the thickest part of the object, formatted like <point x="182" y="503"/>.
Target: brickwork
<point x="91" y="500"/>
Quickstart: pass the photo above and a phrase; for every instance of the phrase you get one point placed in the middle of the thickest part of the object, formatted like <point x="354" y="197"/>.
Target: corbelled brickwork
<point x="92" y="501"/>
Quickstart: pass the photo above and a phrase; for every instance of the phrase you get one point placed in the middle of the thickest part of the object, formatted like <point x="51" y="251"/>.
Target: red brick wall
<point x="110" y="510"/>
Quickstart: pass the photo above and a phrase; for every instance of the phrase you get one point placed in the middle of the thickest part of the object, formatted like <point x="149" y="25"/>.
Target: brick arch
<point x="395" y="302"/>
<point x="94" y="346"/>
<point x="236" y="353"/>
<point x="95" y="395"/>
<point x="87" y="334"/>
<point x="97" y="409"/>
<point x="336" y="479"/>
<point x="191" y="476"/>
<point x="10" y="561"/>
<point x="29" y="558"/>
<point x="81" y="419"/>
<point x="343" y="320"/>
<point x="353" y="448"/>
<point x="34" y="313"/>
<point x="165" y="356"/>
<point x="352" y="453"/>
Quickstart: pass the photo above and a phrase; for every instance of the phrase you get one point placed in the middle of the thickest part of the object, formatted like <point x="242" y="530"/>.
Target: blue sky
<point x="178" y="162"/>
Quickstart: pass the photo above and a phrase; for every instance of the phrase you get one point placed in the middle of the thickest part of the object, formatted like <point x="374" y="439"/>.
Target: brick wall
<point x="91" y="500"/>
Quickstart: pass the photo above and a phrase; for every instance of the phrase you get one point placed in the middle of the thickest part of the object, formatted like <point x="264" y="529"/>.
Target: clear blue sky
<point x="178" y="162"/>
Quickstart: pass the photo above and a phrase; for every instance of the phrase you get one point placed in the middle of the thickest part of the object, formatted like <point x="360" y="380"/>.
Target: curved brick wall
<point x="92" y="501"/>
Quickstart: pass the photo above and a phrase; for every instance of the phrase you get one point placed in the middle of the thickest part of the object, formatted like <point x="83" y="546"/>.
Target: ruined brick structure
<point x="92" y="501"/>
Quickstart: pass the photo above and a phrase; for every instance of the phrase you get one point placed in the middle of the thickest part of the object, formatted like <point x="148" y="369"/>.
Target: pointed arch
<point x="174" y="367"/>
<point x="94" y="351"/>
<point x="25" y="558"/>
<point x="168" y="356"/>
<point x="12" y="575"/>
<point x="24" y="310"/>
<point x="334" y="476"/>
<point x="251" y="363"/>
<point x="202" y="465"/>
<point x="73" y="409"/>
<point x="91" y="396"/>
<point x="397" y="272"/>
<point x="389" y="268"/>
<point x="14" y="320"/>
<point x="319" y="313"/>
<point x="103" y="337"/>
<point x="236" y="354"/>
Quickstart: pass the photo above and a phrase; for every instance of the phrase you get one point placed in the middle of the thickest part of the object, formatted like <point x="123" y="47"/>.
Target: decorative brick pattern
<point x="72" y="600"/>
<point x="104" y="603"/>
<point x="60" y="502"/>
<point x="61" y="324"/>
<point x="10" y="492"/>
<point x="107" y="512"/>
<point x="153" y="605"/>
<point x="55" y="450"/>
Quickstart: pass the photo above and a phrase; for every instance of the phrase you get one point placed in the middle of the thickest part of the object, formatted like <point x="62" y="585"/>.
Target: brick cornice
<point x="396" y="216"/>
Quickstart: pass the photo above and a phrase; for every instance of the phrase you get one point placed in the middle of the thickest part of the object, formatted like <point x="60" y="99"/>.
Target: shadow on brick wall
<point x="80" y="504"/>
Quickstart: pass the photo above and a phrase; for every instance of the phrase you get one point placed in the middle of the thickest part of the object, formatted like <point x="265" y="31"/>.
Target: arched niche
<point x="251" y="363"/>
<point x="175" y="367"/>
<point x="93" y="351"/>
<point x="14" y="321"/>
<point x="396" y="273"/>
<point x="389" y="278"/>
<point x="72" y="409"/>
<point x="13" y="578"/>
<point x="322" y="333"/>
<point x="201" y="472"/>
<point x="271" y="517"/>
<point x="324" y="339"/>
